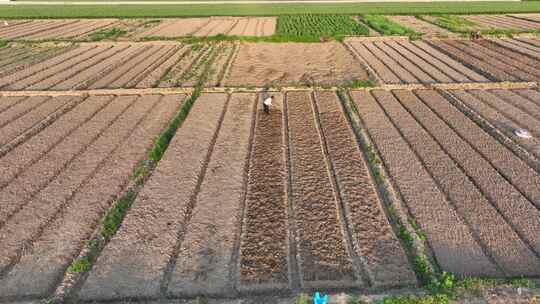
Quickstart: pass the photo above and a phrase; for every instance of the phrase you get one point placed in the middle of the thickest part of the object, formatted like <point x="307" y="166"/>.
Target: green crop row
<point x="388" y="27"/>
<point x="307" y="25"/>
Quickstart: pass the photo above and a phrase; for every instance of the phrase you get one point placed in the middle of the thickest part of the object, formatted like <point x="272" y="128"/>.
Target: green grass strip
<point x="3" y="43"/>
<point x="196" y="10"/>
<point x="111" y="34"/>
<point x="388" y="27"/>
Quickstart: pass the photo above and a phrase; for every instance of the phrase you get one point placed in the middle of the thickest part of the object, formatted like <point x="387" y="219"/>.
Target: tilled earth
<point x="245" y="202"/>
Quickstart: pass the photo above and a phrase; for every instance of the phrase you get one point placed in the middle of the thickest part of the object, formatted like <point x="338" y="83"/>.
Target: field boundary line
<point x="357" y="260"/>
<point x="189" y="90"/>
<point x="396" y="210"/>
<point x="526" y="156"/>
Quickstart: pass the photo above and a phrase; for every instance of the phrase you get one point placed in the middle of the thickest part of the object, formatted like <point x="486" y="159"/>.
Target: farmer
<point x="267" y="103"/>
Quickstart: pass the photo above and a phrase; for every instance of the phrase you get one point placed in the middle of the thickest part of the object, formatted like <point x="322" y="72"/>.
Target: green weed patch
<point x="388" y="27"/>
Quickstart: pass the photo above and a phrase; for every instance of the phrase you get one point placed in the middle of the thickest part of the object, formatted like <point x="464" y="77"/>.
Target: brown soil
<point x="371" y="60"/>
<point x="46" y="64"/>
<point x="153" y="78"/>
<point x="36" y="272"/>
<point x="75" y="69"/>
<point x="176" y="28"/>
<point x="44" y="108"/>
<point x="503" y="22"/>
<point x="294" y="63"/>
<point x="517" y="47"/>
<point x="209" y="247"/>
<point x="421" y="26"/>
<point x="410" y="66"/>
<point x="495" y="234"/>
<point x="494" y="111"/>
<point x="530" y="17"/>
<point x="371" y="233"/>
<point x="322" y="247"/>
<point x="473" y="59"/>
<point x="516" y="209"/>
<point x="148" y="239"/>
<point x="449" y="236"/>
<point x="264" y="240"/>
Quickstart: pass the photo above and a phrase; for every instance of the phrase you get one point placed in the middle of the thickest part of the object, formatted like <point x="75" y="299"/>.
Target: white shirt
<point x="268" y="101"/>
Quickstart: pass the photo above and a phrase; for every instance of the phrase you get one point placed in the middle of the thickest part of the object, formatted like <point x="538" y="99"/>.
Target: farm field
<point x="427" y="29"/>
<point x="56" y="152"/>
<point x="202" y="27"/>
<point x="139" y="164"/>
<point x="450" y="61"/>
<point x="260" y="64"/>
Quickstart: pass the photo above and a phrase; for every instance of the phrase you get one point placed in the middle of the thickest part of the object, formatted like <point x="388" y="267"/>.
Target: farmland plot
<point x="259" y="64"/>
<point x="55" y="29"/>
<point x="236" y="26"/>
<point x="234" y="207"/>
<point x="76" y="156"/>
<point x="476" y="201"/>
<point x="421" y="26"/>
<point x="491" y="60"/>
<point x="504" y="22"/>
<point x="402" y="61"/>
<point x="122" y="65"/>
<point x="506" y="111"/>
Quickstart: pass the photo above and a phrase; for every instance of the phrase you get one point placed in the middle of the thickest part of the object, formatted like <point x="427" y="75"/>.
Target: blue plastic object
<point x="317" y="299"/>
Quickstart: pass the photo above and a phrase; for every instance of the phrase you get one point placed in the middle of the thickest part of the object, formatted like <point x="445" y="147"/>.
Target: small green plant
<point x="386" y="26"/>
<point x="111" y="34"/>
<point x="358" y="83"/>
<point x="304" y="299"/>
<point x="79" y="266"/>
<point x="411" y="299"/>
<point x="3" y="43"/>
<point x="522" y="282"/>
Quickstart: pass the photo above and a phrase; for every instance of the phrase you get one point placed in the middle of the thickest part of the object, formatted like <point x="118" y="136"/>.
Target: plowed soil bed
<point x="259" y="64"/>
<point x="61" y="179"/>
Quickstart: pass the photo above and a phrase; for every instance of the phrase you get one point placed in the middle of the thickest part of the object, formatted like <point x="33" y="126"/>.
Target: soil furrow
<point x="516" y="48"/>
<point x="516" y="57"/>
<point x="109" y="79"/>
<point x="35" y="177"/>
<point x="505" y="63"/>
<point x="96" y="71"/>
<point x="263" y="263"/>
<point x="372" y="236"/>
<point x="474" y="62"/>
<point x="322" y="249"/>
<point x="9" y="102"/>
<point x="53" y="25"/>
<point x="204" y="261"/>
<point x="404" y="75"/>
<point x="40" y="112"/>
<point x="32" y="59"/>
<point x="445" y="68"/>
<point x="20" y="27"/>
<point x="380" y="68"/>
<point x="410" y="66"/>
<point x="524" y="118"/>
<point x="153" y="79"/>
<point x="145" y="243"/>
<point x="54" y="32"/>
<point x="533" y="43"/>
<point x="140" y="69"/>
<point x="240" y="28"/>
<point x="458" y="66"/>
<point x="517" y="210"/>
<point x="507" y="164"/>
<point x="425" y="66"/>
<point x="42" y="124"/>
<point x="20" y="109"/>
<point x="36" y="28"/>
<point x="78" y="68"/>
<point x="86" y="207"/>
<point x="525" y="105"/>
<point x="219" y="65"/>
<point x="496" y="235"/>
<point x="72" y="55"/>
<point x="31" y="151"/>
<point x="16" y="55"/>
<point x="154" y="71"/>
<point x="456" y="248"/>
<point x="34" y="215"/>
<point x="530" y="94"/>
<point x="523" y="43"/>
